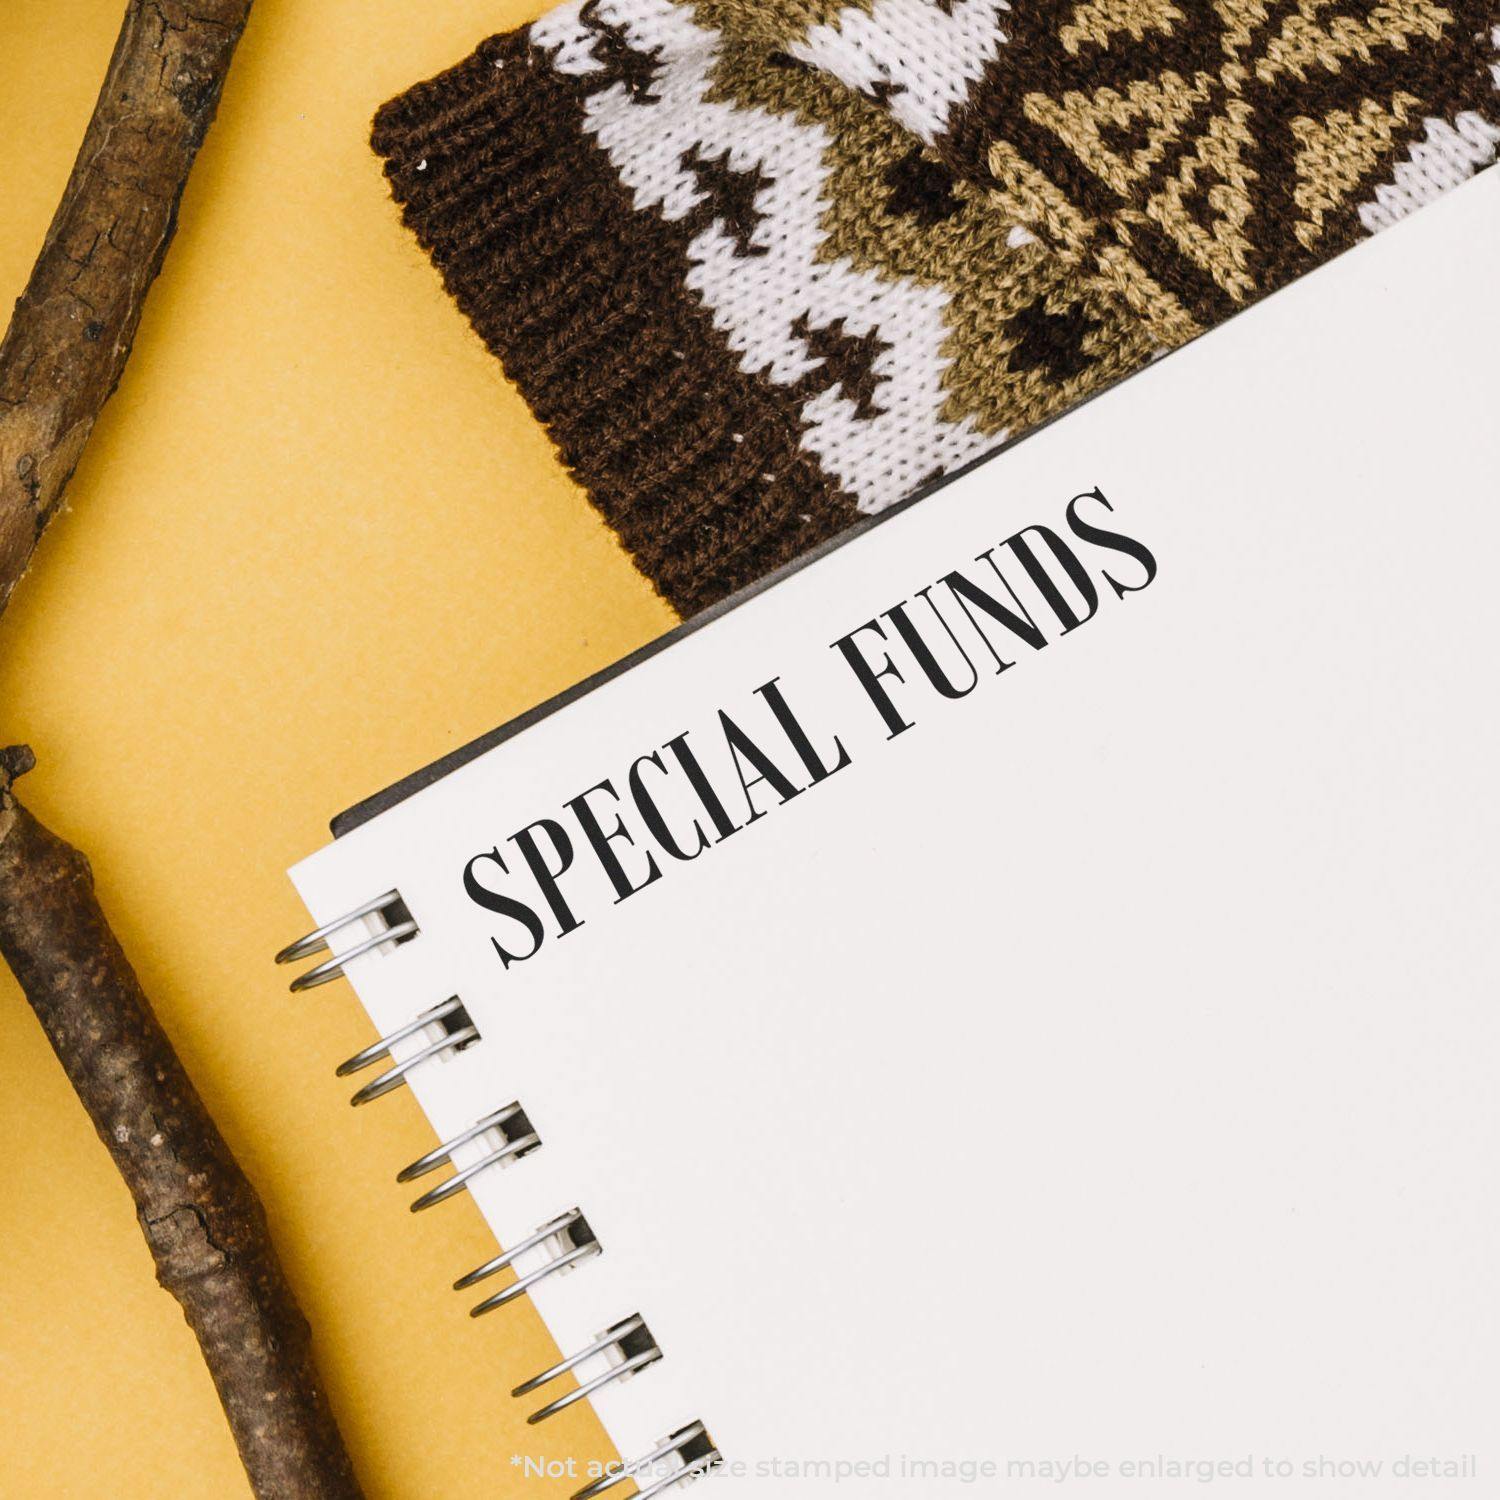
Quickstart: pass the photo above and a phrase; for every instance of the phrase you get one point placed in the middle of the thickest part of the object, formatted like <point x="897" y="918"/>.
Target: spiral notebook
<point x="1012" y="1003"/>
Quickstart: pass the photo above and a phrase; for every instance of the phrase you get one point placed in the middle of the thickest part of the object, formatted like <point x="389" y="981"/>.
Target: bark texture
<point x="74" y="324"/>
<point x="203" y="1221"/>
<point x="59" y="363"/>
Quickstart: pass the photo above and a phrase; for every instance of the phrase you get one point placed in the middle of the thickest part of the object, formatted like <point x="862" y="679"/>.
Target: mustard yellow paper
<point x="316" y="542"/>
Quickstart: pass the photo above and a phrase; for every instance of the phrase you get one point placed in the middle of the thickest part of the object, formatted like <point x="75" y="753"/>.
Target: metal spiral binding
<point x="458" y="1032"/>
<point x="627" y="1347"/>
<point x="691" y="1445"/>
<point x="400" y="926"/>
<point x="510" y="1123"/>
<point x="568" y="1234"/>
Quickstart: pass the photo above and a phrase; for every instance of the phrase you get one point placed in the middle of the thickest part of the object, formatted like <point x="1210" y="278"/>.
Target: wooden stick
<point x="74" y="325"/>
<point x="59" y="363"/>
<point x="202" y="1219"/>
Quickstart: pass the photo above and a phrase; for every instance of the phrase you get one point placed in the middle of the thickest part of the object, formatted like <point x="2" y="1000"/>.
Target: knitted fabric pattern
<point x="1196" y="154"/>
<point x="763" y="266"/>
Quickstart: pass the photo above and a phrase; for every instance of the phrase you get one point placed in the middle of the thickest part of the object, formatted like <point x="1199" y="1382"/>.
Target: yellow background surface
<point x="316" y="541"/>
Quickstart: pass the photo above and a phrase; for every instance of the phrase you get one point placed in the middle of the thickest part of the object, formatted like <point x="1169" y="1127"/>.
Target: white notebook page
<point x="1102" y="1069"/>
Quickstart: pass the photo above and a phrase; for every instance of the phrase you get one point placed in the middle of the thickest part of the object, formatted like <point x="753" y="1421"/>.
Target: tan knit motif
<point x="1317" y="38"/>
<point x="1179" y="151"/>
<point x="1222" y="147"/>
<point x="1335" y="153"/>
<point x="1097" y="20"/>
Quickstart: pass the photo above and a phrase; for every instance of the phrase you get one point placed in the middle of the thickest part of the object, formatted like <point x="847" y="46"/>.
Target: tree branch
<point x="202" y="1219"/>
<point x="59" y="363"/>
<point x="76" y="321"/>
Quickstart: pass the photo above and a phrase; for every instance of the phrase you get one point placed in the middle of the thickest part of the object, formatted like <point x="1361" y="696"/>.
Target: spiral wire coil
<point x="444" y="1029"/>
<point x="519" y="1142"/>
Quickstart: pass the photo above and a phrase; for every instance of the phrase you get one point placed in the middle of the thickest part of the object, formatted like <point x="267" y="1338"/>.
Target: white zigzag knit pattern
<point x="878" y="456"/>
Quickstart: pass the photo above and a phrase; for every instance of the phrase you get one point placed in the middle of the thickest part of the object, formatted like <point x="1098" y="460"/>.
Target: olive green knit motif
<point x="1029" y="335"/>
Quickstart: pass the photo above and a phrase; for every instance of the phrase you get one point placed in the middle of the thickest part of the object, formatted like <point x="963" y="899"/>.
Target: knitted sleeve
<point x="763" y="266"/>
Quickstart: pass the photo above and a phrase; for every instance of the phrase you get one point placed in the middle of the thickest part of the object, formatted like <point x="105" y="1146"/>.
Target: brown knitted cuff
<point x="583" y="297"/>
